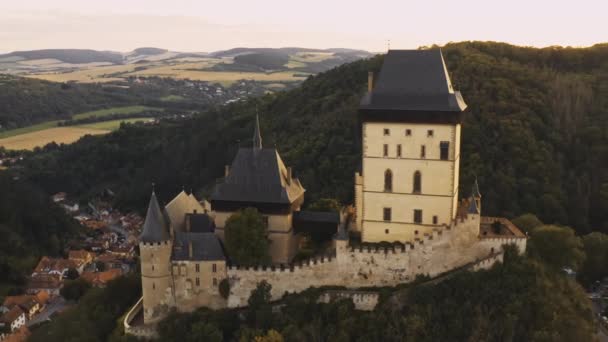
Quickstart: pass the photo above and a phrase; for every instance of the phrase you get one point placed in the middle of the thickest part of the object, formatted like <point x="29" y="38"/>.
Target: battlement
<point x="155" y="244"/>
<point x="283" y="268"/>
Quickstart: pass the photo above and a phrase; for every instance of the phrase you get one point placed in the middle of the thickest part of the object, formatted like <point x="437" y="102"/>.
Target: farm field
<point x="87" y="75"/>
<point x="110" y="125"/>
<point x="60" y="135"/>
<point x="116" y="110"/>
<point x="28" y="129"/>
<point x="49" y="132"/>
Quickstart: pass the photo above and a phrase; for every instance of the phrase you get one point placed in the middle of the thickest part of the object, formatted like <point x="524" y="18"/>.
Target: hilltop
<point x="535" y="137"/>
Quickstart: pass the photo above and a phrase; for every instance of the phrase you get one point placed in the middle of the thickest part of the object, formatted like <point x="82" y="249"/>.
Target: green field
<point x="28" y="129"/>
<point x="172" y="98"/>
<point x="111" y="125"/>
<point x="116" y="110"/>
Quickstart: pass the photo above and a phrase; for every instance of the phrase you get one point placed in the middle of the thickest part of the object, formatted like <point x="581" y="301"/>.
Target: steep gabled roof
<point x="155" y="228"/>
<point x="259" y="176"/>
<point x="205" y="246"/>
<point x="414" y="80"/>
<point x="181" y="205"/>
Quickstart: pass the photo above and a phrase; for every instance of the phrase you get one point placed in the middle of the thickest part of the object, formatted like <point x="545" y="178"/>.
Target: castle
<point x="406" y="193"/>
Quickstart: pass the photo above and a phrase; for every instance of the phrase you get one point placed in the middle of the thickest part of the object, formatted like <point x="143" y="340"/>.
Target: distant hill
<point x="63" y="65"/>
<point x="73" y="56"/>
<point x="150" y="51"/>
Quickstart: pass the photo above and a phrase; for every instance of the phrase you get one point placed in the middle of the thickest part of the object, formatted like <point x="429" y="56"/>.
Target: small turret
<point x="475" y="205"/>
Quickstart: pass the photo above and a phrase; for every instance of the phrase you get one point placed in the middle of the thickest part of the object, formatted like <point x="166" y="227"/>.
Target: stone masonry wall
<point x="452" y="247"/>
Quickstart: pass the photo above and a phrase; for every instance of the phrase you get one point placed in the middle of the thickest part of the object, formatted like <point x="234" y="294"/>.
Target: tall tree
<point x="246" y="237"/>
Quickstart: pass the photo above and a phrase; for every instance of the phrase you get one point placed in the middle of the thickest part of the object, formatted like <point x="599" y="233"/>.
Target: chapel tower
<point x="411" y="123"/>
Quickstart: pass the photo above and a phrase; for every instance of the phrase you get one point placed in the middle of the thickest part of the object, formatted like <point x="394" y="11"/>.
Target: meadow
<point x="116" y="110"/>
<point x="40" y="135"/>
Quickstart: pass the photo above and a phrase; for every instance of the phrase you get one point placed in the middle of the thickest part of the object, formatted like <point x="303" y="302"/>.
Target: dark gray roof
<point x="205" y="246"/>
<point x="200" y="223"/>
<point x="155" y="228"/>
<point x="259" y="176"/>
<point x="414" y="80"/>
<point x="317" y="216"/>
<point x="473" y="209"/>
<point x="475" y="190"/>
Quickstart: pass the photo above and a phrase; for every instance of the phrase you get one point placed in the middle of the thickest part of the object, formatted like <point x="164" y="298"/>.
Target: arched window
<point x="388" y="180"/>
<point x="417" y="182"/>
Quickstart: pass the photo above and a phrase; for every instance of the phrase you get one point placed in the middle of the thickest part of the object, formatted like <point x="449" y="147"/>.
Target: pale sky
<point x="210" y="25"/>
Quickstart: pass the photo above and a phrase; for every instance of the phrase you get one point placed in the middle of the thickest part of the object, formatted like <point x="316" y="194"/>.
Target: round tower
<point x="155" y="248"/>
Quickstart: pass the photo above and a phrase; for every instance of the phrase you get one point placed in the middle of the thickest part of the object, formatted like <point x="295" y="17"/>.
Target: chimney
<point x="370" y="81"/>
<point x="190" y="249"/>
<point x="226" y="170"/>
<point x="289" y="175"/>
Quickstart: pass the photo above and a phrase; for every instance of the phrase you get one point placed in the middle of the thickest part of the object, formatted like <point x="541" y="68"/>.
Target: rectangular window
<point x="214" y="268"/>
<point x="385" y="151"/>
<point x="214" y="281"/>
<point x="408" y="132"/>
<point x="429" y="133"/>
<point x="435" y="219"/>
<point x="197" y="267"/>
<point x="422" y="151"/>
<point x="198" y="282"/>
<point x="444" y="148"/>
<point x="399" y="150"/>
<point x="417" y="216"/>
<point x="387" y="214"/>
<point x="387" y="131"/>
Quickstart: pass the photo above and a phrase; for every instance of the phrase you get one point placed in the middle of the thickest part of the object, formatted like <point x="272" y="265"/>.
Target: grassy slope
<point x="116" y="110"/>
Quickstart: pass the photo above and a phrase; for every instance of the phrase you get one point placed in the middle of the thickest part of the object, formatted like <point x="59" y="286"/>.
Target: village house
<point x="13" y="319"/>
<point x="50" y="283"/>
<point x="28" y="303"/>
<point x="56" y="266"/>
<point x="101" y="279"/>
<point x="81" y="258"/>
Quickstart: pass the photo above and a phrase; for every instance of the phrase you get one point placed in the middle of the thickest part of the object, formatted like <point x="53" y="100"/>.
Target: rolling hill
<point x="89" y="66"/>
<point x="535" y="136"/>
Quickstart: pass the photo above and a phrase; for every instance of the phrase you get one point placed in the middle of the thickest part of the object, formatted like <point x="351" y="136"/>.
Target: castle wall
<point x="370" y="267"/>
<point x="194" y="287"/>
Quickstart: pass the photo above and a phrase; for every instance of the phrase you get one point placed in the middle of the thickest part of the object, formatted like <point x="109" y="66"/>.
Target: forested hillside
<point x="536" y="136"/>
<point x="25" y="101"/>
<point x="30" y="226"/>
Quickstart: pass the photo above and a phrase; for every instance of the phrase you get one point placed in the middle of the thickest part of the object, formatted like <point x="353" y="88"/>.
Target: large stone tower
<point x="155" y="247"/>
<point x="411" y="122"/>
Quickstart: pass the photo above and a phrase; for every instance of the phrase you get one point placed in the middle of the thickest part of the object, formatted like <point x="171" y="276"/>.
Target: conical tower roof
<point x="155" y="228"/>
<point x="475" y="190"/>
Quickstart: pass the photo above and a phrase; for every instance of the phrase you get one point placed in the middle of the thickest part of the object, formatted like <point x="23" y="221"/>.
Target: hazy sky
<point x="208" y="25"/>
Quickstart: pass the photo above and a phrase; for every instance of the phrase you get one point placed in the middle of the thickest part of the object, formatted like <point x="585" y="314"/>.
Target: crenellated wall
<point x="354" y="267"/>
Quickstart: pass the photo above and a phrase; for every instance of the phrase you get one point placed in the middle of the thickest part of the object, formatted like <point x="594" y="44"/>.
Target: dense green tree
<point x="246" y="238"/>
<point x="527" y="222"/>
<point x="72" y="273"/>
<point x="556" y="246"/>
<point x="595" y="266"/>
<point x="202" y="331"/>
<point x="95" y="316"/>
<point x="260" y="311"/>
<point x="326" y="204"/>
<point x="74" y="289"/>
